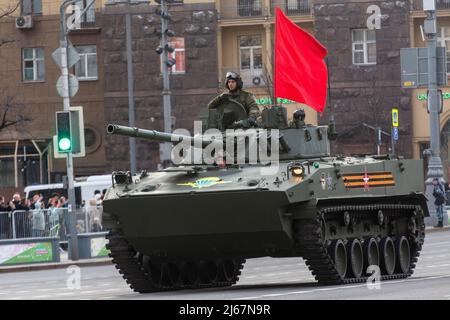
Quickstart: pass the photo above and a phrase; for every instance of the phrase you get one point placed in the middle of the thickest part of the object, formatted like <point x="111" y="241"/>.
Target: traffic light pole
<point x="66" y="102"/>
<point x="165" y="156"/>
<point x="130" y="77"/>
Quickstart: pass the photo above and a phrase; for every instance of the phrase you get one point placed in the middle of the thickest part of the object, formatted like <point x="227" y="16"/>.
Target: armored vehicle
<point x="193" y="225"/>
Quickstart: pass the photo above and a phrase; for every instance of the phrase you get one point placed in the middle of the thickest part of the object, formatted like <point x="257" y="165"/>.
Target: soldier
<point x="234" y="85"/>
<point x="440" y="198"/>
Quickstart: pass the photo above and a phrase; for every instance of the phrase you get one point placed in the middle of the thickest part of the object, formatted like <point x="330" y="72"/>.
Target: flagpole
<point x="275" y="59"/>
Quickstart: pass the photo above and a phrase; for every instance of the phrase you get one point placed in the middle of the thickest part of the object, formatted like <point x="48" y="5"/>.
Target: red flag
<point x="300" y="71"/>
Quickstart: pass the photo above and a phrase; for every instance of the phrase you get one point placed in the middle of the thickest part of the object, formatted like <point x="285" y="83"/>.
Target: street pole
<point x="378" y="140"/>
<point x="434" y="162"/>
<point x="131" y="112"/>
<point x="165" y="154"/>
<point x="392" y="142"/>
<point x="66" y="103"/>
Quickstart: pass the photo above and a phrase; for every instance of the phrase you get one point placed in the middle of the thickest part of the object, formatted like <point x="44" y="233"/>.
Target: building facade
<point x="29" y="99"/>
<point x="211" y="38"/>
<point x="245" y="39"/>
<point x="421" y="132"/>
<point x="193" y="79"/>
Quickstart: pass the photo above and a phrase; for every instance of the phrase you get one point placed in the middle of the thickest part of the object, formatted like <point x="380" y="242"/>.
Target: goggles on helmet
<point x="232" y="75"/>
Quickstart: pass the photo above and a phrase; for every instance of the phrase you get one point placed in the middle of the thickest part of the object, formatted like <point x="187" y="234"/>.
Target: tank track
<point x="144" y="275"/>
<point x="313" y="244"/>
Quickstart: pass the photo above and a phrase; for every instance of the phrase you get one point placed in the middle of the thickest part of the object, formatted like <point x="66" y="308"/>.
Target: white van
<point x="84" y="188"/>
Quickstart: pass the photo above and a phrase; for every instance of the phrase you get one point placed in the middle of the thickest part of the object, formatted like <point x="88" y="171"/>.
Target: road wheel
<point x="403" y="252"/>
<point x="387" y="256"/>
<point x="355" y="259"/>
<point x="339" y="255"/>
<point x="371" y="253"/>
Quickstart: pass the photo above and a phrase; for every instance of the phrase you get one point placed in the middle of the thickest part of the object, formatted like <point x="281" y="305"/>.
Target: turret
<point x="296" y="139"/>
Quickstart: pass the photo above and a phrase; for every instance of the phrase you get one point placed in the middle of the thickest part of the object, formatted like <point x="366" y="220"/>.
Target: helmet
<point x="233" y="76"/>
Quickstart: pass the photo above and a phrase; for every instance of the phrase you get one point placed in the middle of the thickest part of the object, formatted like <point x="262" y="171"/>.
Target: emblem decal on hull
<point x="365" y="180"/>
<point x="204" y="182"/>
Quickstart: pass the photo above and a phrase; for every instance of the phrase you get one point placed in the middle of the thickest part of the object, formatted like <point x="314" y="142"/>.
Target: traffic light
<point x="63" y="132"/>
<point x="69" y="136"/>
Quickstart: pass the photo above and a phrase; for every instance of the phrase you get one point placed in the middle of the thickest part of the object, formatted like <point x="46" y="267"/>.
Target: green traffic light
<point x="64" y="144"/>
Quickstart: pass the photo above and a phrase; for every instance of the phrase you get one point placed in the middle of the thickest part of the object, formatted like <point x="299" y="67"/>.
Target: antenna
<point x="332" y="134"/>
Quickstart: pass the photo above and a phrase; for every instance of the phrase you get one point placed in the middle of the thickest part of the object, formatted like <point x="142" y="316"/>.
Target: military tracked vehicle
<point x="194" y="225"/>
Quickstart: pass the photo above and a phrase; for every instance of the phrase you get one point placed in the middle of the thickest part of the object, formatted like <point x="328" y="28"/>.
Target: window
<point x="250" y="58"/>
<point x="443" y="38"/>
<point x="364" y="47"/>
<point x="33" y="64"/>
<point x="89" y="17"/>
<point x="179" y="55"/>
<point x="249" y="8"/>
<point x="297" y="6"/>
<point x="31" y="7"/>
<point x="86" y="68"/>
<point x="6" y="172"/>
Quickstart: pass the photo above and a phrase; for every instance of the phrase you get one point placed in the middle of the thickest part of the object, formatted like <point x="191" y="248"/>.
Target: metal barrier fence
<point x="53" y="222"/>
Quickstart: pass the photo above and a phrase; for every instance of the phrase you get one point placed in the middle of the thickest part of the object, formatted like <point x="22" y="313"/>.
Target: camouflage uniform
<point x="243" y="97"/>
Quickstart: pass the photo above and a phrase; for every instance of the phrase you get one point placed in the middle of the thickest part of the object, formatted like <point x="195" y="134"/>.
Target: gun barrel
<point x="156" y="135"/>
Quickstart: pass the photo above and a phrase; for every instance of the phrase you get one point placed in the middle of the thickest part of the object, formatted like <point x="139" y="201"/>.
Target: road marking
<point x="276" y="274"/>
<point x="42" y="297"/>
<point x="16" y="298"/>
<point x="337" y="288"/>
<point x="438" y="265"/>
<point x="89" y="292"/>
<point x="64" y="293"/>
<point x="115" y="289"/>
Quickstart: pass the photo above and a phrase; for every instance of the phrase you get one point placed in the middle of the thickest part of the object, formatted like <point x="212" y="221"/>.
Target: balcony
<point x="253" y="9"/>
<point x="88" y="25"/>
<point x="417" y="5"/>
<point x="292" y="7"/>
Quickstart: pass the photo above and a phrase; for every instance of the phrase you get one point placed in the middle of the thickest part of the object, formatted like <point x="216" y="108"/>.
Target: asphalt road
<point x="263" y="278"/>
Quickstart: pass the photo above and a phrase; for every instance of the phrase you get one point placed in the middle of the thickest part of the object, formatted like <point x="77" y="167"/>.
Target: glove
<point x="224" y="97"/>
<point x="241" y="124"/>
<point x="247" y="123"/>
<point x="252" y="121"/>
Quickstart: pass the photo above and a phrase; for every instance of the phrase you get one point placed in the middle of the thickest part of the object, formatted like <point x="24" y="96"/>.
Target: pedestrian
<point x="5" y="219"/>
<point x="94" y="214"/>
<point x="440" y="198"/>
<point x="20" y="217"/>
<point x="38" y="223"/>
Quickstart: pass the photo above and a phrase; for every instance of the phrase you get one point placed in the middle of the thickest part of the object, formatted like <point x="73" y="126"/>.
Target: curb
<point x="56" y="265"/>
<point x="433" y="229"/>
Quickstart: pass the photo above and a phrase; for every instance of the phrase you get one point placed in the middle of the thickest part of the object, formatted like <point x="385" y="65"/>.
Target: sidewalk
<point x="64" y="263"/>
<point x="433" y="229"/>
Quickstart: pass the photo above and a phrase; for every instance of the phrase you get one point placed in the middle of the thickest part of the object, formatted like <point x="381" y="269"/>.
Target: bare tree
<point x="11" y="110"/>
<point x="5" y="12"/>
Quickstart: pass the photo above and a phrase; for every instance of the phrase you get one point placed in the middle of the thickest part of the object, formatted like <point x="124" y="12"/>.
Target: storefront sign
<point x="424" y="96"/>
<point x="266" y="100"/>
